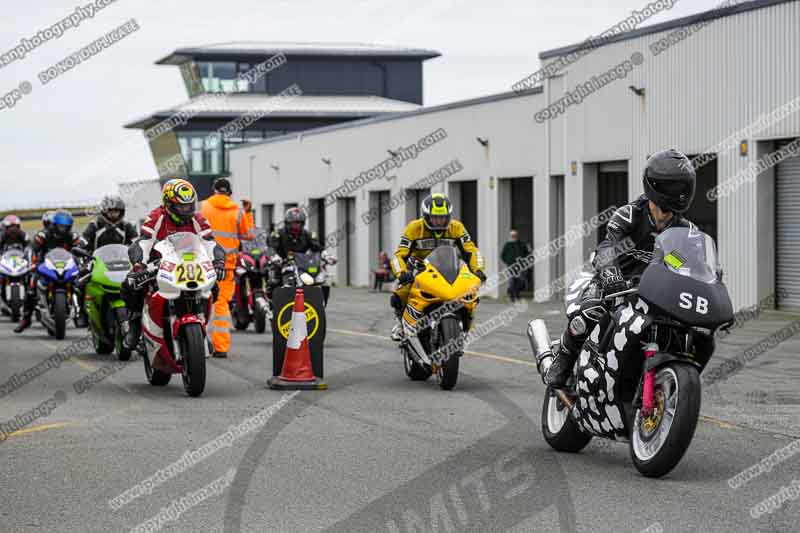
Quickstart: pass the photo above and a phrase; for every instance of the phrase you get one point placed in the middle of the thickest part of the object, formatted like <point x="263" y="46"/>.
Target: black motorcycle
<point x="250" y="302"/>
<point x="637" y="378"/>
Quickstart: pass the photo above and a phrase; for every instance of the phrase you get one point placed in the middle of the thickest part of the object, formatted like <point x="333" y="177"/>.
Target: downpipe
<point x="539" y="339"/>
<point x="542" y="349"/>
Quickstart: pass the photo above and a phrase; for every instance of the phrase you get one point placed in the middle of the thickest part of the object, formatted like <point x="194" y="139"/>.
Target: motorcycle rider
<point x="108" y="228"/>
<point x="13" y="234"/>
<point x="177" y="213"/>
<point x="292" y="238"/>
<point x="58" y="234"/>
<point x="47" y="217"/>
<point x="669" y="185"/>
<point x="420" y="237"/>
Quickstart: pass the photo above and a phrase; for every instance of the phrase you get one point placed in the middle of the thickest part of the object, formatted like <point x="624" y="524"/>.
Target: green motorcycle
<point x="109" y="265"/>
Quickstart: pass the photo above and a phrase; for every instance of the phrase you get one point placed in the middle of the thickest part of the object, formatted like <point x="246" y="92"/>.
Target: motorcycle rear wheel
<point x="193" y="357"/>
<point x="655" y="451"/>
<point x="559" y="430"/>
<point x="60" y="312"/>
<point x="449" y="332"/>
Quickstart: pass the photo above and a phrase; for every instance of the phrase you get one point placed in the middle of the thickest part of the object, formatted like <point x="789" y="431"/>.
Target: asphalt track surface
<point x="375" y="452"/>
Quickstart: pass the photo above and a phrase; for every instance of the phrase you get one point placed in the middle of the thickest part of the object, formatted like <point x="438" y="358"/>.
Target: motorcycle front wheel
<point x="193" y="357"/>
<point x="60" y="312"/>
<point x="659" y="441"/>
<point x="449" y="335"/>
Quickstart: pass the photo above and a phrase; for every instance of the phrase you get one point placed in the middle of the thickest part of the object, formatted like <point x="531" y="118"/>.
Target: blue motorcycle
<point x="55" y="291"/>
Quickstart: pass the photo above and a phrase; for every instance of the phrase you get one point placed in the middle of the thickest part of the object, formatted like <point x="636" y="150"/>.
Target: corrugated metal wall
<point x="697" y="93"/>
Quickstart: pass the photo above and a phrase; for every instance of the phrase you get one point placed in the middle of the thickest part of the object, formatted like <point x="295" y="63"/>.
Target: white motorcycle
<point x="185" y="278"/>
<point x="14" y="268"/>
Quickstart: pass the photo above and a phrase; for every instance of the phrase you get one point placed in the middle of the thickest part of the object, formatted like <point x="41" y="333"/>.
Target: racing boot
<point x="24" y="323"/>
<point x="134" y="332"/>
<point x="560" y="369"/>
<point x="397" y="330"/>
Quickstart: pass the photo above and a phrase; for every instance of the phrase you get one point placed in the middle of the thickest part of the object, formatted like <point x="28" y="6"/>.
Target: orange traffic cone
<point x="296" y="372"/>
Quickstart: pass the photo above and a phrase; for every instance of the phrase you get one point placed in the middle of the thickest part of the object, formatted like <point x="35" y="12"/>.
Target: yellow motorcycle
<point x="441" y="303"/>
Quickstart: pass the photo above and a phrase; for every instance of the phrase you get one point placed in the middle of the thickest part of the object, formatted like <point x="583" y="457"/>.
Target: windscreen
<point x="447" y="261"/>
<point x="59" y="254"/>
<point x="113" y="256"/>
<point x="688" y="252"/>
<point x="186" y="242"/>
<point x="308" y="260"/>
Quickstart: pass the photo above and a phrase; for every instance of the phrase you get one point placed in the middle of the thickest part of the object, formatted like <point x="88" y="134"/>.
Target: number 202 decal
<point x="188" y="272"/>
<point x="688" y="301"/>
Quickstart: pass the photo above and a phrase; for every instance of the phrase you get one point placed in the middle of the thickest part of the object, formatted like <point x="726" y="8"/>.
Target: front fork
<point x="648" y="387"/>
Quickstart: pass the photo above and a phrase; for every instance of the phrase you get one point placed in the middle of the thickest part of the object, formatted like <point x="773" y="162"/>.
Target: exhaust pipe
<point x="540" y="344"/>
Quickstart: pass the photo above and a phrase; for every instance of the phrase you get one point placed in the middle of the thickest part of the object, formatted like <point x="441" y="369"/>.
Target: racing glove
<point x="611" y="280"/>
<point x="481" y="276"/>
<point x="219" y="270"/>
<point x="405" y="277"/>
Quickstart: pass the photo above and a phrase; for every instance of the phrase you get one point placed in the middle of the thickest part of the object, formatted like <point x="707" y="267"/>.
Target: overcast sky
<point x="65" y="142"/>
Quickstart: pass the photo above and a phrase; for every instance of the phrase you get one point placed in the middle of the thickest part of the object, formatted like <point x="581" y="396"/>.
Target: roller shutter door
<point x="787" y="233"/>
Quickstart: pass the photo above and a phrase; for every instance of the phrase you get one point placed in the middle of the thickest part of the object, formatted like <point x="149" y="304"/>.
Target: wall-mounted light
<point x="484" y="142"/>
<point x="574" y="168"/>
<point x="326" y="161"/>
<point x="275" y="167"/>
<point x="743" y="148"/>
<point x="638" y="91"/>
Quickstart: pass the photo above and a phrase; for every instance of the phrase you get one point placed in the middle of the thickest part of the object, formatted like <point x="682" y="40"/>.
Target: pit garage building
<point x="722" y="86"/>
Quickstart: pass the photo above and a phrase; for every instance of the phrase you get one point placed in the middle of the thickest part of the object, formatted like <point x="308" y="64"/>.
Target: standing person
<point x="248" y="212"/>
<point x="230" y="226"/>
<point x="513" y="249"/>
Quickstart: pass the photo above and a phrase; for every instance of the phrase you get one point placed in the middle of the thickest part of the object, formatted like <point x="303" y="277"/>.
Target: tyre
<point x="155" y="377"/>
<point x="449" y="335"/>
<point x="193" y="358"/>
<point x="60" y="312"/>
<point x="15" y="303"/>
<point x="261" y="317"/>
<point x="559" y="430"/>
<point x="659" y="442"/>
<point x="101" y="346"/>
<point x="123" y="352"/>
<point x="414" y="370"/>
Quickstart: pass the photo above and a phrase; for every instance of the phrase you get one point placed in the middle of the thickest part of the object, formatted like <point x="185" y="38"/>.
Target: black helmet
<point x="294" y="220"/>
<point x="112" y="209"/>
<point x="669" y="180"/>
<point x="222" y="185"/>
<point x="47" y="217"/>
<point x="436" y="212"/>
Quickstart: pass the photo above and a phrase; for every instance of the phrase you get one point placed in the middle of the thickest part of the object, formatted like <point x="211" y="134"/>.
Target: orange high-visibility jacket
<point x="229" y="224"/>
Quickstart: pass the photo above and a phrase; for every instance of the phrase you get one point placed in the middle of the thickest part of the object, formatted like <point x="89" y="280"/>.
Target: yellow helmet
<point x="179" y="197"/>
<point x="436" y="212"/>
